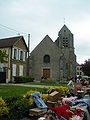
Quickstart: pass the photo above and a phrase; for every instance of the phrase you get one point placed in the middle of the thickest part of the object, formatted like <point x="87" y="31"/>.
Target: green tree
<point x="3" y="57"/>
<point x="86" y="67"/>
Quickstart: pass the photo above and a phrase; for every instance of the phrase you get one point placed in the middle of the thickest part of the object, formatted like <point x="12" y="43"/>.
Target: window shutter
<point x="14" y="69"/>
<point x="23" y="56"/>
<point x="21" y="70"/>
<point x="12" y="53"/>
<point x="17" y="54"/>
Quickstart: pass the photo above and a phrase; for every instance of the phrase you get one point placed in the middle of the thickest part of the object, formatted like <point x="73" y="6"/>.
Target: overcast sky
<point x="41" y="17"/>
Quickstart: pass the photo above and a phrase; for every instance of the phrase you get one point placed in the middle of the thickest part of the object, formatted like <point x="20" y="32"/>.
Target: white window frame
<point x="18" y="55"/>
<point x="15" y="56"/>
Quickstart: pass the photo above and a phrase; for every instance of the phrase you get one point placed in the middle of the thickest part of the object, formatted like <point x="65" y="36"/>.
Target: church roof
<point x="47" y="36"/>
<point x="46" y="41"/>
<point x="63" y="29"/>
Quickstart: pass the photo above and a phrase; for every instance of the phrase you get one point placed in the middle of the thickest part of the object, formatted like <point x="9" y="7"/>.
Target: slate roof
<point x="9" y="42"/>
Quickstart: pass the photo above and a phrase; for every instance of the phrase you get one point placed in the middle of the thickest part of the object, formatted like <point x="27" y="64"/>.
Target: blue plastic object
<point x="38" y="100"/>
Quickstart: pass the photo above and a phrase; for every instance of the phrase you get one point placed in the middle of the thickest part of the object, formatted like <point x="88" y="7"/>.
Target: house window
<point x="21" y="55"/>
<point x="80" y="68"/>
<point x="46" y="59"/>
<point x="1" y="69"/>
<point x="21" y="70"/>
<point x="18" y="54"/>
<point x="15" y="53"/>
<point x="14" y="70"/>
<point x="80" y="73"/>
<point x="77" y="73"/>
<point x="77" y="68"/>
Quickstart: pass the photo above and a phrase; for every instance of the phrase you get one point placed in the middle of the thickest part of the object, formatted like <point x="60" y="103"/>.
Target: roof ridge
<point x="10" y="37"/>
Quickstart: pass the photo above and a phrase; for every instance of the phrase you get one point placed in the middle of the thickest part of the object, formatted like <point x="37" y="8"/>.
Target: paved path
<point x="28" y="85"/>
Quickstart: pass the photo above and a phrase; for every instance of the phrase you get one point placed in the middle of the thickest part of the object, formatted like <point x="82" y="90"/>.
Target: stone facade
<point x="54" y="60"/>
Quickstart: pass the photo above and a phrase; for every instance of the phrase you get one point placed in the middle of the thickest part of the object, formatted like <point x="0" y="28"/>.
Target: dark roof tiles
<point x="8" y="42"/>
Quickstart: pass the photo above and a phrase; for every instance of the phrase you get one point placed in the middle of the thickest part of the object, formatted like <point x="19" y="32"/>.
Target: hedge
<point x="23" y="79"/>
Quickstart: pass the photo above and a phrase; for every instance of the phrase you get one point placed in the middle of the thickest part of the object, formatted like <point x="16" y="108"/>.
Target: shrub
<point x="49" y="90"/>
<point x="44" y="97"/>
<point x="27" y="95"/>
<point x="18" y="108"/>
<point x="29" y="98"/>
<point x="23" y="79"/>
<point x="43" y="78"/>
<point x="30" y="101"/>
<point x="64" y="90"/>
<point x="3" y="108"/>
<point x="61" y="89"/>
<point x="44" y="90"/>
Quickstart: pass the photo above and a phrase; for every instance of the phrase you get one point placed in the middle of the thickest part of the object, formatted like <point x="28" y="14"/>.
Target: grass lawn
<point x="11" y="90"/>
<point x="49" y="83"/>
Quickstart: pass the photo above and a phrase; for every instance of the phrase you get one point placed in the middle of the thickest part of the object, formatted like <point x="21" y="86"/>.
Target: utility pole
<point x="28" y="66"/>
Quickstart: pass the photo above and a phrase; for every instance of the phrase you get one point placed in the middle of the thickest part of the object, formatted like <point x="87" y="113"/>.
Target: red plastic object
<point x="78" y="112"/>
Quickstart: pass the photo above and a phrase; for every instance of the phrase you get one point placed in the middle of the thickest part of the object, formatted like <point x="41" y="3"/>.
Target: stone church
<point x="54" y="60"/>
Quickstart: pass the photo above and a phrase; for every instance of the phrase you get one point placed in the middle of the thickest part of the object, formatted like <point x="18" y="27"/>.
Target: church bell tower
<point x="66" y="44"/>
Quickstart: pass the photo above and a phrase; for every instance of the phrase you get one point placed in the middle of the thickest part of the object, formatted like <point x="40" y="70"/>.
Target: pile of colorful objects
<point x="61" y="108"/>
<point x="67" y="108"/>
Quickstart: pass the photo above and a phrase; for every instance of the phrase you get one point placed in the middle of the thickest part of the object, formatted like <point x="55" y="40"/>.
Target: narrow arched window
<point x="46" y="59"/>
